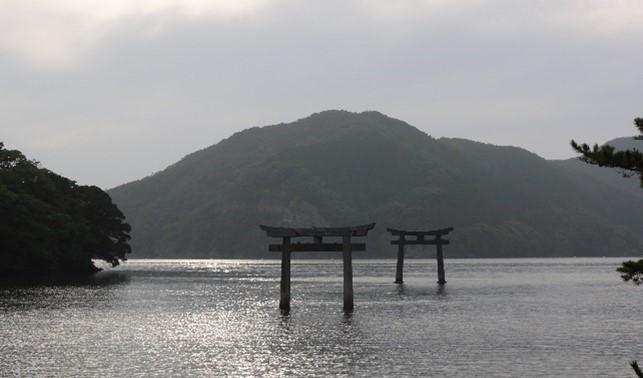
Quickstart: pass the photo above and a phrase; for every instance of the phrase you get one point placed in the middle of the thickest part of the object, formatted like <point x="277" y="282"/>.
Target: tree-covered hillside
<point x="610" y="176"/>
<point x="341" y="168"/>
<point x="48" y="223"/>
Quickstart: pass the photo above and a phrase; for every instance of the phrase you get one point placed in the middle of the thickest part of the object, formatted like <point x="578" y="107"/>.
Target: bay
<point x="171" y="318"/>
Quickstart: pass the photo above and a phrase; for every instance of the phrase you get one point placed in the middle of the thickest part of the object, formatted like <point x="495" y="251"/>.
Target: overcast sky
<point x="107" y="92"/>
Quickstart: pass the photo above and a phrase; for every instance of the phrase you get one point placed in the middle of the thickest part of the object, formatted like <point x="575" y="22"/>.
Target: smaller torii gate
<point x="420" y="238"/>
<point x="317" y="245"/>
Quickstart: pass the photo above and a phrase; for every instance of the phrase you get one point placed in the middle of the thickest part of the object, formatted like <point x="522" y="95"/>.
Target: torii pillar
<point x="317" y="245"/>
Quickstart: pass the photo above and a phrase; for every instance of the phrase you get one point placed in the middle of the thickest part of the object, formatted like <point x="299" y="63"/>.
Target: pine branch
<point x="636" y="368"/>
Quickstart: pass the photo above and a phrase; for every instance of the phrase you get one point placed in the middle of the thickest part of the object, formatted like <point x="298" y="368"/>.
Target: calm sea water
<point x="494" y="318"/>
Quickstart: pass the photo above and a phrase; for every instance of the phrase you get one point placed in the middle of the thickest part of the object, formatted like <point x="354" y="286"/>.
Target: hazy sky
<point x="106" y="92"/>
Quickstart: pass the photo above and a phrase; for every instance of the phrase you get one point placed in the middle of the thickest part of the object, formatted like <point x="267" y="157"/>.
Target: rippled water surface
<point x="494" y="318"/>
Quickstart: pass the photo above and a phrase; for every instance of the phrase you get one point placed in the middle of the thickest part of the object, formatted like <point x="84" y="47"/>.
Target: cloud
<point x="600" y="16"/>
<point x="157" y="79"/>
<point x="55" y="34"/>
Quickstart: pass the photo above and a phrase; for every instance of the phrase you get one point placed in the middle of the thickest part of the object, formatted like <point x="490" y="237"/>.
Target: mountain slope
<point x="341" y="168"/>
<point x="609" y="176"/>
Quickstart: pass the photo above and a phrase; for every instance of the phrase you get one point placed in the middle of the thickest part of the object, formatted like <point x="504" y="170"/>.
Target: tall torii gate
<point x="419" y="239"/>
<point x="317" y="245"/>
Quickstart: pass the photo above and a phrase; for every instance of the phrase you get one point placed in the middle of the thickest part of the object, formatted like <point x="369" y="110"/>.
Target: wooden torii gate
<point x="420" y="238"/>
<point x="317" y="245"/>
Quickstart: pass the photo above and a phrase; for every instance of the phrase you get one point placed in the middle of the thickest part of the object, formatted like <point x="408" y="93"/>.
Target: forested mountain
<point x="339" y="168"/>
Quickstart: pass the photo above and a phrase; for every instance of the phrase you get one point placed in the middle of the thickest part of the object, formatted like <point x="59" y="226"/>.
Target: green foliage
<point x="629" y="162"/>
<point x="632" y="271"/>
<point x="47" y="222"/>
<point x="338" y="168"/>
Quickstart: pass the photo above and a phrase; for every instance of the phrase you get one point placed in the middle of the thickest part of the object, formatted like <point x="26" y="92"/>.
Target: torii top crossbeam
<point x="286" y="232"/>
<point x="439" y="232"/>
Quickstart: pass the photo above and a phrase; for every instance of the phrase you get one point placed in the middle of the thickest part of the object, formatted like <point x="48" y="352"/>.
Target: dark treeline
<point x="49" y="223"/>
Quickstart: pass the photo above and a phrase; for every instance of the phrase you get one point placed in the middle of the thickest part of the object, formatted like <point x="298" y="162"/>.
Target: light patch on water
<point x="530" y="318"/>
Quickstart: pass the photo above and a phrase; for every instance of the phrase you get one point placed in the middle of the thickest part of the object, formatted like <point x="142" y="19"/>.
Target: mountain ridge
<point x="339" y="168"/>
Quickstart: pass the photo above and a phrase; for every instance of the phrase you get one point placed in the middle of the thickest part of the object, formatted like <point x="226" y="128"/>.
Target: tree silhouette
<point x="49" y="223"/>
<point x="628" y="162"/>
